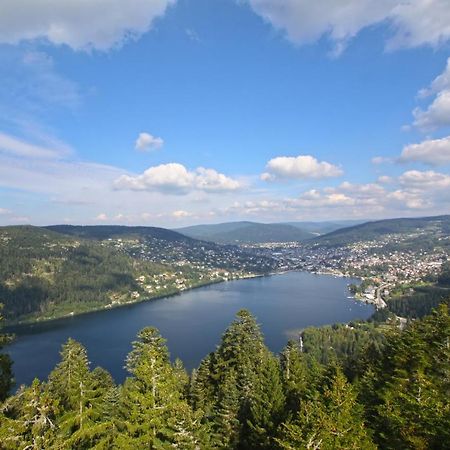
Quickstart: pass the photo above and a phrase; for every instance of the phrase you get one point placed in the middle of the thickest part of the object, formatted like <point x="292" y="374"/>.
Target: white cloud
<point x="17" y="147"/>
<point x="385" y="179"/>
<point x="414" y="23"/>
<point x="435" y="152"/>
<point x="419" y="22"/>
<point x="437" y="114"/>
<point x="378" y="160"/>
<point x="180" y="214"/>
<point x="440" y="83"/>
<point x="4" y="211"/>
<point x="93" y="24"/>
<point x="176" y="179"/>
<point x="146" y="142"/>
<point x="102" y="217"/>
<point x="427" y="180"/>
<point x="299" y="167"/>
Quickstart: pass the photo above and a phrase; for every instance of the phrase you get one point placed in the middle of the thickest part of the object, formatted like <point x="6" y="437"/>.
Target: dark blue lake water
<point x="192" y="322"/>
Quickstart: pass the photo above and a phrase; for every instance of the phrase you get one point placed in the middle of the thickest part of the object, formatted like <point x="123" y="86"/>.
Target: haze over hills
<point x="254" y="232"/>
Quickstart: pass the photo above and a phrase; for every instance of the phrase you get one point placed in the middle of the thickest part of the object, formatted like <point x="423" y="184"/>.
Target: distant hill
<point x="116" y="231"/>
<point x="421" y="231"/>
<point x="247" y="233"/>
<point x="319" y="228"/>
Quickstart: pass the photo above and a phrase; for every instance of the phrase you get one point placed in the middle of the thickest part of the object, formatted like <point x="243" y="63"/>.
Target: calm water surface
<point x="192" y="322"/>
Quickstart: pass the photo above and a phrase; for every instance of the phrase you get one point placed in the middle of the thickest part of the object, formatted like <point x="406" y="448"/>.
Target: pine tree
<point x="153" y="410"/>
<point x="236" y="361"/>
<point x="333" y="420"/>
<point x="67" y="382"/>
<point x="81" y="396"/>
<point x="297" y="382"/>
<point x="28" y="419"/>
<point x="408" y="389"/>
<point x="201" y="393"/>
<point x="266" y="407"/>
<point x="226" y="423"/>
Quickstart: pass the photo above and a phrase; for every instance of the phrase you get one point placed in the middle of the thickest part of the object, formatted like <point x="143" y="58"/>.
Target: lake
<point x="192" y="322"/>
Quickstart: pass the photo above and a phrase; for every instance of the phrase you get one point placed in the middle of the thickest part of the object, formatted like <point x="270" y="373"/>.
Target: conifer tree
<point x="227" y="425"/>
<point x="202" y="387"/>
<point x="296" y="380"/>
<point x="408" y="389"/>
<point x="266" y="406"/>
<point x="333" y="420"/>
<point x="28" y="419"/>
<point x="154" y="411"/>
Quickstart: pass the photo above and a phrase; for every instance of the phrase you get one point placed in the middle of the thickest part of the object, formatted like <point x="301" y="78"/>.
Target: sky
<point x="178" y="112"/>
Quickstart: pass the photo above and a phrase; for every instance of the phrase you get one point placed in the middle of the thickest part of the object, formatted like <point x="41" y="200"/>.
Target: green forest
<point x="45" y="275"/>
<point x="339" y="387"/>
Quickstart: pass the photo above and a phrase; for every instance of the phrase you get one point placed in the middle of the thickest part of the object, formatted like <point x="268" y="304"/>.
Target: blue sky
<point x="175" y="112"/>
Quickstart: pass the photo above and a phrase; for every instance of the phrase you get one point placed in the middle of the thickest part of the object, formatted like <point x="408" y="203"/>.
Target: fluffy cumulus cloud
<point x="174" y="178"/>
<point x="299" y="167"/>
<point x="435" y="152"/>
<point x="146" y="142"/>
<point x="426" y="180"/>
<point x="413" y="23"/>
<point x="437" y="113"/>
<point x="412" y="193"/>
<point x="93" y="24"/>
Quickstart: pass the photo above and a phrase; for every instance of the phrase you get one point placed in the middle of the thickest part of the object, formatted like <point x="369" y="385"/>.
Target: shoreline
<point x="9" y="327"/>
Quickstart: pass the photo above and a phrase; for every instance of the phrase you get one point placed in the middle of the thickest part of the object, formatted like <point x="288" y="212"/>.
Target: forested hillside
<point x="46" y="274"/>
<point x="101" y="232"/>
<point x="64" y="270"/>
<point x="424" y="232"/>
<point x="244" y="397"/>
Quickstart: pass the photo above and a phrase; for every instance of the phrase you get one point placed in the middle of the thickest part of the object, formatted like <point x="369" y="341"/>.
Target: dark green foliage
<point x="444" y="277"/>
<point x="300" y="374"/>
<point x="344" y="343"/>
<point x="420" y="303"/>
<point x="6" y="375"/>
<point x="154" y="412"/>
<point x="46" y="274"/>
<point x="243" y="397"/>
<point x="267" y="405"/>
<point x="331" y="420"/>
<point x="408" y="387"/>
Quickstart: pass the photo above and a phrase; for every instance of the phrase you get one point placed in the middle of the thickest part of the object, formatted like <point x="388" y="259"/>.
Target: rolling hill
<point x="404" y="232"/>
<point x="101" y="232"/>
<point x="247" y="233"/>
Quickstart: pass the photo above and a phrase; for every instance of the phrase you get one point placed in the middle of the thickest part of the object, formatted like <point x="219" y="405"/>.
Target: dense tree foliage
<point x="419" y="303"/>
<point x="244" y="397"/>
<point x="6" y="375"/>
<point x="46" y="274"/>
